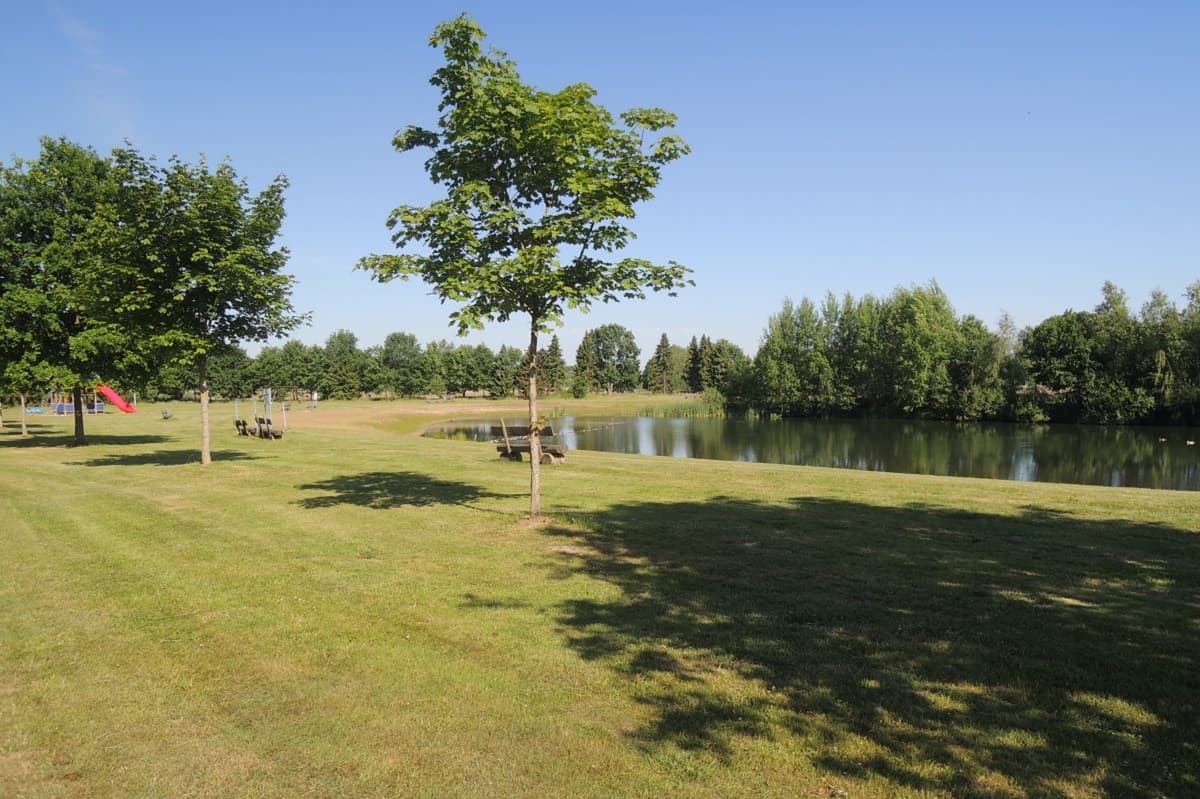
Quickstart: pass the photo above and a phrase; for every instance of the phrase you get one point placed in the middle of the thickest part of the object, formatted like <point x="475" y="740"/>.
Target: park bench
<point x="265" y="430"/>
<point x="261" y="428"/>
<point x="514" y="443"/>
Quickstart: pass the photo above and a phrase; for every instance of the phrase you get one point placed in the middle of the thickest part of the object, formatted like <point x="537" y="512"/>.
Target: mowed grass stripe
<point x="355" y="612"/>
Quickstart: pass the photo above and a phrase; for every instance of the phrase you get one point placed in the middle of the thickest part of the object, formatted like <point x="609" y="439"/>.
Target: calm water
<point x="1113" y="456"/>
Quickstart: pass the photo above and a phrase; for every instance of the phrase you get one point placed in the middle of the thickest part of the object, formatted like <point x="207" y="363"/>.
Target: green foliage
<point x="552" y="369"/>
<point x="193" y="258"/>
<point x="693" y="371"/>
<point x="579" y="384"/>
<point x="401" y="359"/>
<point x="608" y="358"/>
<point x="507" y="374"/>
<point x="526" y="174"/>
<point x="538" y="189"/>
<point x="907" y="355"/>
<point x="55" y="323"/>
<point x="659" y="373"/>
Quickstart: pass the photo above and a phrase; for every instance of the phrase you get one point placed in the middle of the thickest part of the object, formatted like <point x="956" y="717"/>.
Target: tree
<point x="229" y="372"/>
<point x="658" y="372"/>
<point x="506" y="372"/>
<point x="301" y="367"/>
<point x="27" y="376"/>
<point x="552" y="369"/>
<point x="975" y="360"/>
<point x="401" y="357"/>
<point x="538" y="187"/>
<point x="342" y="374"/>
<point x="718" y="359"/>
<point x="608" y="356"/>
<point x="435" y="367"/>
<point x="194" y="265"/>
<point x="792" y="366"/>
<point x="50" y="256"/>
<point x="1058" y="354"/>
<point x="694" y="375"/>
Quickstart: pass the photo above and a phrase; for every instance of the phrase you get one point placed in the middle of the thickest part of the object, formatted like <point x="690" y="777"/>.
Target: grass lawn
<point x="357" y="611"/>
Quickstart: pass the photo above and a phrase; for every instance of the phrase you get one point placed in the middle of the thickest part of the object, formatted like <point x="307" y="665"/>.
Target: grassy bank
<point x="357" y="611"/>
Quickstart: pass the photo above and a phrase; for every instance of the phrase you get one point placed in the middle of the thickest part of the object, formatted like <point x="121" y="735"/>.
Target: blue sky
<point x="1020" y="154"/>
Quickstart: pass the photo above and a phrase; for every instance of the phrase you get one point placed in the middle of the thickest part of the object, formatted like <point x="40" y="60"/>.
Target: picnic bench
<point x="513" y="443"/>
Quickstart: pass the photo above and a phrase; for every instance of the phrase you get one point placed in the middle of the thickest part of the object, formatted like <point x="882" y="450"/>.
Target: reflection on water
<point x="1116" y="456"/>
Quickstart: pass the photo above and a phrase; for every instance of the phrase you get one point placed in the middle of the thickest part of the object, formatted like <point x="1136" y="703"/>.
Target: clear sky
<point x="1020" y="154"/>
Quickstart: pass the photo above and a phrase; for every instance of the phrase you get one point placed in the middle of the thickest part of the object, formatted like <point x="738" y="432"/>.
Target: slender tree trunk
<point x="205" y="450"/>
<point x="77" y="402"/>
<point x="535" y="434"/>
<point x="24" y="424"/>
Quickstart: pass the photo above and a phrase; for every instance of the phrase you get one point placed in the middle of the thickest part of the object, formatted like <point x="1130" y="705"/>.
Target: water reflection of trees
<point x="1125" y="456"/>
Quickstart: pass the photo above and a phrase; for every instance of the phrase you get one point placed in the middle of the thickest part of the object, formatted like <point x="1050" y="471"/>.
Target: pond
<point x="1146" y="457"/>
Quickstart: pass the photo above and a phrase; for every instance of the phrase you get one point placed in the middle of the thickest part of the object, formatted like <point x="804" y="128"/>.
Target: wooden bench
<point x="515" y="443"/>
<point x="265" y="430"/>
<point x="261" y="428"/>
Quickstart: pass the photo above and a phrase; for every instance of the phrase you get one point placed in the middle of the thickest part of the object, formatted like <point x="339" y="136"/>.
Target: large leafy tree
<point x="401" y="357"/>
<point x="539" y="187"/>
<point x="51" y="331"/>
<point x="194" y="265"/>
<point x="608" y="357"/>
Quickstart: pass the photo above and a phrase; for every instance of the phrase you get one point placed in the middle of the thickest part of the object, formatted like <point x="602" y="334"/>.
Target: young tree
<point x="25" y="377"/>
<point x="539" y="186"/>
<point x="194" y="262"/>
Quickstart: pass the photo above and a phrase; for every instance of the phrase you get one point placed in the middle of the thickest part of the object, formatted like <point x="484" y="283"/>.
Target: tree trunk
<point x="77" y="401"/>
<point x="24" y="424"/>
<point x="205" y="450"/>
<point x="535" y="433"/>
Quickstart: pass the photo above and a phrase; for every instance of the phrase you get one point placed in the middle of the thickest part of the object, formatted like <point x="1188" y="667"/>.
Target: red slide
<point x="116" y="399"/>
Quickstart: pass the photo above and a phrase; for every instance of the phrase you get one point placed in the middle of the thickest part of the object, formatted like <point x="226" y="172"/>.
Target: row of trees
<point x="607" y="360"/>
<point x="911" y="355"/>
<point x="341" y="370"/>
<point x="111" y="267"/>
<point x="905" y="355"/>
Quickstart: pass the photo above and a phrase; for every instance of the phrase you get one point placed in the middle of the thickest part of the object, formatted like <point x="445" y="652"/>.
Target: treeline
<point x="911" y="355"/>
<point x="606" y="361"/>
<point x="907" y="355"/>
<point x="340" y="369"/>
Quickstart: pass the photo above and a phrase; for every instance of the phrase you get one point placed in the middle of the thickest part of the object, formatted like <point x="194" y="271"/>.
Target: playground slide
<point x="116" y="399"/>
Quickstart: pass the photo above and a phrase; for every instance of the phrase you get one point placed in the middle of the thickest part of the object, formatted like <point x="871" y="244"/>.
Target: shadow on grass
<point x="384" y="490"/>
<point x="165" y="457"/>
<point x="943" y="650"/>
<point x="59" y="439"/>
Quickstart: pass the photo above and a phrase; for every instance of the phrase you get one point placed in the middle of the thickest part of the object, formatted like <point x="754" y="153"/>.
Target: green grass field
<point x="355" y="611"/>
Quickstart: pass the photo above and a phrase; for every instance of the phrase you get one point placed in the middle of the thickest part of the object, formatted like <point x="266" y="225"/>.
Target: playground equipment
<point x="116" y="399"/>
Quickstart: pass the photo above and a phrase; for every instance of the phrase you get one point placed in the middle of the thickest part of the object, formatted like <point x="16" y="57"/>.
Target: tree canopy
<point x="539" y="187"/>
<point x="192" y="262"/>
<point x="52" y="330"/>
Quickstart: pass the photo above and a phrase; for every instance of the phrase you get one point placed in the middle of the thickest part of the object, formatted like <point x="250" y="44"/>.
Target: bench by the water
<point x="515" y="443"/>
